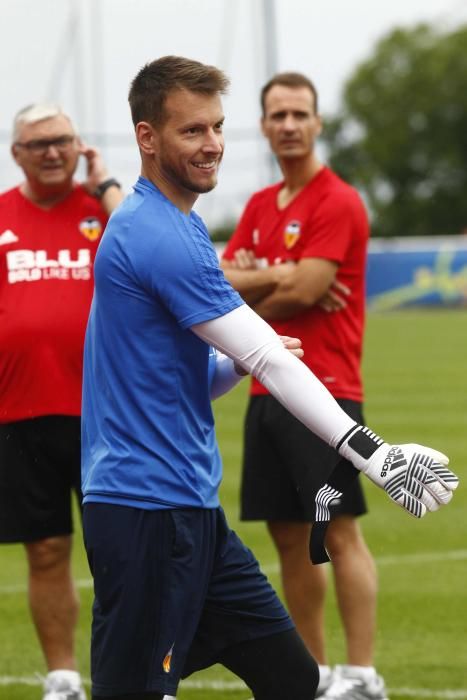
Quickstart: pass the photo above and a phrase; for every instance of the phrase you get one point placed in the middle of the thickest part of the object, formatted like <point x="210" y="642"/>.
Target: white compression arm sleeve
<point x="225" y="376"/>
<point x="252" y="343"/>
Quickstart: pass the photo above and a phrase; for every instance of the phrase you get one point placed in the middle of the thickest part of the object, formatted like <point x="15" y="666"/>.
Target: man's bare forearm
<point x="252" y="285"/>
<point x="281" y="305"/>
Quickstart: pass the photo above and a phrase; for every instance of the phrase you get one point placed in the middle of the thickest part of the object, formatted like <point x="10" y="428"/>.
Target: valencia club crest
<point x="292" y="234"/>
<point x="91" y="228"/>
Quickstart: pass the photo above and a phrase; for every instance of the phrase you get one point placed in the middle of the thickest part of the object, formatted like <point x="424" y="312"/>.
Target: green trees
<point x="401" y="136"/>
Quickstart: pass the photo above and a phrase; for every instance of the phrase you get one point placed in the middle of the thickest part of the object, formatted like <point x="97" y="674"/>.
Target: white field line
<point x="273" y="568"/>
<point x="390" y="560"/>
<point x="21" y="587"/>
<point x="230" y="686"/>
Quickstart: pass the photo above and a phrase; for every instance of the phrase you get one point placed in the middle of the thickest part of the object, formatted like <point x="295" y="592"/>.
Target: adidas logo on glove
<point x="394" y="459"/>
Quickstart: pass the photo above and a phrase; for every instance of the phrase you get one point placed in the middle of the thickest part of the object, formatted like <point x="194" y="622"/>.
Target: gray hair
<point x="36" y="113"/>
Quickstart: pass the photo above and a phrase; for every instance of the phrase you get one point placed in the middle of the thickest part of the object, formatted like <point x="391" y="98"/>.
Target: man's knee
<point x="48" y="554"/>
<point x="289" y="537"/>
<point x="343" y="532"/>
<point x="275" y="667"/>
<point x="344" y="538"/>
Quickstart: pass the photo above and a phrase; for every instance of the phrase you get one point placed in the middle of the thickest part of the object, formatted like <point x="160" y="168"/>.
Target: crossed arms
<point x="279" y="292"/>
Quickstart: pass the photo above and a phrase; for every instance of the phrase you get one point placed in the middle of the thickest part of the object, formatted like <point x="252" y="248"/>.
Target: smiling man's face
<point x="190" y="142"/>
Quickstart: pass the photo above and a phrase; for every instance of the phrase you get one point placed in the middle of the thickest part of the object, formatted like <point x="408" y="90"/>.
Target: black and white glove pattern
<point x="415" y="477"/>
<point x="325" y="498"/>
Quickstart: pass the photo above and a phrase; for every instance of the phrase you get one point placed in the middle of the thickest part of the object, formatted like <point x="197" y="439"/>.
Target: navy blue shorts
<point x="173" y="589"/>
<point x="285" y="465"/>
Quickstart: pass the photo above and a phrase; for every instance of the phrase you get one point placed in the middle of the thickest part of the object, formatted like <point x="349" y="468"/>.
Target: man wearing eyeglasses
<point x="50" y="227"/>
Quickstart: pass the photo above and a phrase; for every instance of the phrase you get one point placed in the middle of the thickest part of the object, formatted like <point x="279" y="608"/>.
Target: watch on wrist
<point x="104" y="186"/>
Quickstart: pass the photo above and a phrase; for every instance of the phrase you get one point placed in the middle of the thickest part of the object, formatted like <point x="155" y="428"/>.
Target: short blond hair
<point x="37" y="112"/>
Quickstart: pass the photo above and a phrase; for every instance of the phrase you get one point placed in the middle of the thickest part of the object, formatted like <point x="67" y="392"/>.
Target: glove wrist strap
<point x="359" y="444"/>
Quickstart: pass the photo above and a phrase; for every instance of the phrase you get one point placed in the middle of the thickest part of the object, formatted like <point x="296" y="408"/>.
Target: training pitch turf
<point x="415" y="373"/>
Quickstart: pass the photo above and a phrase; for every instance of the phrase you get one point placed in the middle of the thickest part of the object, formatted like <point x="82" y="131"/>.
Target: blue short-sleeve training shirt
<point x="147" y="425"/>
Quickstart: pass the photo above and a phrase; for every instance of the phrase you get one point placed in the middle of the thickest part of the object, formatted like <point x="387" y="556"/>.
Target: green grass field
<point x="415" y="369"/>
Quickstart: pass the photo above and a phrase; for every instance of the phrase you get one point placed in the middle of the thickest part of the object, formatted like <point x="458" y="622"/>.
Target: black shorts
<point x="173" y="589"/>
<point x="284" y="465"/>
<point x="39" y="468"/>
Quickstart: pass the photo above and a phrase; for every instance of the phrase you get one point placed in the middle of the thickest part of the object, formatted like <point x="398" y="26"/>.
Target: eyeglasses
<point x="40" y="147"/>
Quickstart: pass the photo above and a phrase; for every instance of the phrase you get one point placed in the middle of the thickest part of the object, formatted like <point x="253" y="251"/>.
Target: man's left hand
<point x="96" y="172"/>
<point x="334" y="298"/>
<point x="415" y="477"/>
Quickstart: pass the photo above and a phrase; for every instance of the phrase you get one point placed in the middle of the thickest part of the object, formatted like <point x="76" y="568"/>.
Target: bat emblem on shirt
<point x="91" y="228"/>
<point x="292" y="234"/>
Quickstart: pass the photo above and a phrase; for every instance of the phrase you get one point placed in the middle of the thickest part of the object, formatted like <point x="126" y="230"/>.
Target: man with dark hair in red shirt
<point x="50" y="227"/>
<point x="298" y="258"/>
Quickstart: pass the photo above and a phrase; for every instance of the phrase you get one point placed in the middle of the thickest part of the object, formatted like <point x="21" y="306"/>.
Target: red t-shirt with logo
<point x="325" y="220"/>
<point x="46" y="287"/>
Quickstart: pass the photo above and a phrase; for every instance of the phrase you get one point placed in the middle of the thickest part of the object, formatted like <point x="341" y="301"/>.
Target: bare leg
<point x="355" y="580"/>
<point x="53" y="599"/>
<point x="304" y="584"/>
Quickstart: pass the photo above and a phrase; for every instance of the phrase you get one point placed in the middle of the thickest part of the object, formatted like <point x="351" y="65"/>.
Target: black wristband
<point x="104" y="186"/>
<point x="362" y="440"/>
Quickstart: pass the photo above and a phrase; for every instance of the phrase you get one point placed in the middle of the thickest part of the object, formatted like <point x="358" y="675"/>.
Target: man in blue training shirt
<point x="175" y="589"/>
